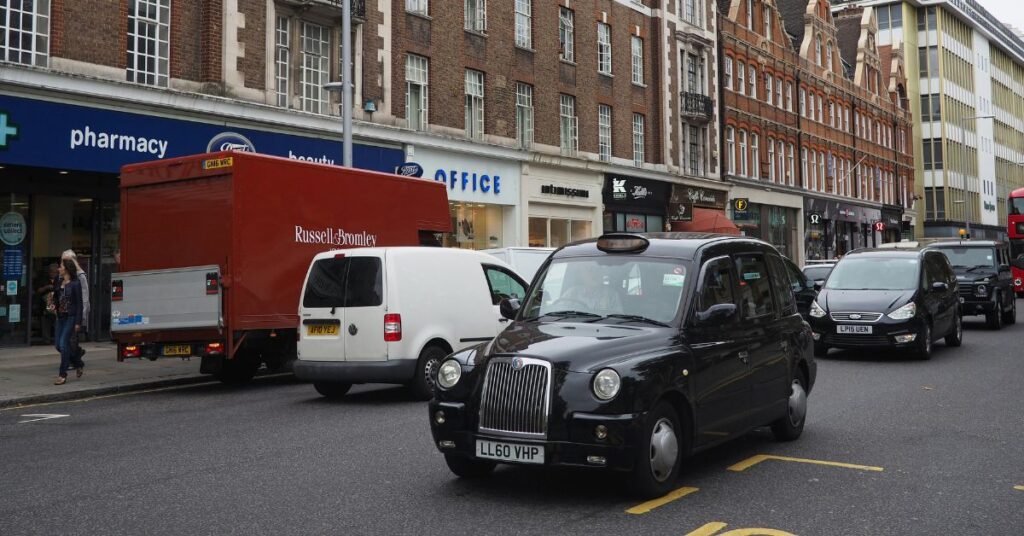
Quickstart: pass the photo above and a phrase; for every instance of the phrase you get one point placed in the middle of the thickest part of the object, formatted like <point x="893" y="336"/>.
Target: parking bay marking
<point x="42" y="417"/>
<point x="712" y="529"/>
<point x="1019" y="488"/>
<point x="754" y="460"/>
<point x="645" y="507"/>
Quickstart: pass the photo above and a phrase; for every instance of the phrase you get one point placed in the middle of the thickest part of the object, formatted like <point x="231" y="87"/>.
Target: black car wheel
<point x="657" y="464"/>
<point x="924" y="342"/>
<point x="956" y="337"/>
<point x="1010" y="317"/>
<point x="332" y="390"/>
<point x="790" y="426"/>
<point x="994" y="319"/>
<point x="426" y="372"/>
<point x="464" y="467"/>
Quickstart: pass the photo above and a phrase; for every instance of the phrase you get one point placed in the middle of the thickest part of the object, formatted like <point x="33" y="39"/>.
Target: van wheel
<point x="422" y="385"/>
<point x="791" y="425"/>
<point x="657" y="462"/>
<point x="464" y="467"/>
<point x="995" y="318"/>
<point x="1010" y="317"/>
<point x="956" y="337"/>
<point x="332" y="390"/>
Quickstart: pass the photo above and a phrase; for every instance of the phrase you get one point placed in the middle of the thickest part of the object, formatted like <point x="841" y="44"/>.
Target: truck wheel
<point x="791" y="425"/>
<point x="1010" y="317"/>
<point x="332" y="390"/>
<point x="657" y="460"/>
<point x="465" y="467"/>
<point x="422" y="385"/>
<point x="238" y="370"/>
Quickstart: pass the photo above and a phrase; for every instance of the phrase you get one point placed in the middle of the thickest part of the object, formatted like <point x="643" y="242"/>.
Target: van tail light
<point x="212" y="286"/>
<point x="116" y="290"/>
<point x="392" y="327"/>
<point x="131" y="350"/>
<point x="215" y="348"/>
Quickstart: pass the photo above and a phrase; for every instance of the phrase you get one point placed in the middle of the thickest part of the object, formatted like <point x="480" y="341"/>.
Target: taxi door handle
<point x="744" y="356"/>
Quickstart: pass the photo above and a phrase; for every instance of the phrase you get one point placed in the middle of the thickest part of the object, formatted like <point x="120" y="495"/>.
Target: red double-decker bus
<point x="1015" y="228"/>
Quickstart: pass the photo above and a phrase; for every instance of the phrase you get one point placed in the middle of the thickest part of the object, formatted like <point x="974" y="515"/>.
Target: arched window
<point x="828" y="51"/>
<point x="817" y="49"/>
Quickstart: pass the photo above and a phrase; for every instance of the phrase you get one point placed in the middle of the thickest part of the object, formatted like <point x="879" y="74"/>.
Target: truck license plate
<point x="854" y="330"/>
<point x="177" y="349"/>
<point x="509" y="452"/>
<point x="322" y="329"/>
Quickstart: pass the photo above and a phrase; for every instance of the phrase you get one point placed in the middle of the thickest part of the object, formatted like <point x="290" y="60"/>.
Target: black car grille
<point x="515" y="397"/>
<point x="861" y="317"/>
<point x="857" y="340"/>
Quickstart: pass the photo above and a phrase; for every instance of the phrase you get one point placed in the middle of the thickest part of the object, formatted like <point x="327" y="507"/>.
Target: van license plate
<point x="509" y="452"/>
<point x="854" y="330"/>
<point x="177" y="349"/>
<point x="322" y="329"/>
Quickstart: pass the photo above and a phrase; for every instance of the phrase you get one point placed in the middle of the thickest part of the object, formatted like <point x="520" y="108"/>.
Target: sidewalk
<point x="27" y="374"/>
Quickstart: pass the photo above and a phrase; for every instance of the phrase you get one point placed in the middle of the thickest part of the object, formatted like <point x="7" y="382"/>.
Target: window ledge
<point x="475" y="32"/>
<point x="526" y="49"/>
<point x="640" y="84"/>
<point x="567" y="62"/>
<point x="420" y="15"/>
<point x="609" y="75"/>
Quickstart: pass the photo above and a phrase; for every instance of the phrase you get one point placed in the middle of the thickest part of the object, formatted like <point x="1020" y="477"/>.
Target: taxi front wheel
<point x="657" y="460"/>
<point x="464" y="467"/>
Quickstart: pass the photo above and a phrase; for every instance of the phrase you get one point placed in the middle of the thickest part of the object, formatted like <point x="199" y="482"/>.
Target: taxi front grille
<point x="515" y="397"/>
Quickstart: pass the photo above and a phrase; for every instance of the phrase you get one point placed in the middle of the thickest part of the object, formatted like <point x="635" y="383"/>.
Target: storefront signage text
<point x="561" y="190"/>
<point x="680" y="212"/>
<point x="409" y="169"/>
<point x="636" y="192"/>
<point x="706" y="198"/>
<point x="814" y="218"/>
<point x="469" y="182"/>
<point x="12" y="228"/>
<point x="334" y="237"/>
<point x="740" y="205"/>
<point x="989" y="207"/>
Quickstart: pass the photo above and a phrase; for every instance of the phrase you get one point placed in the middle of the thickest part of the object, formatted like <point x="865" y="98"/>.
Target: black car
<point x="629" y="352"/>
<point x="888" y="298"/>
<point x="804" y="288"/>
<point x="986" y="282"/>
<point x="818" y="273"/>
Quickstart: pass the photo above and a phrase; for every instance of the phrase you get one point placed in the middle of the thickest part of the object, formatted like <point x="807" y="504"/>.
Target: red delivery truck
<point x="215" y="247"/>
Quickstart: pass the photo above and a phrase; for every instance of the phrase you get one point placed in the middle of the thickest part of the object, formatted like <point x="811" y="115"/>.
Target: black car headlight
<point x="606" y="384"/>
<point x="449" y="374"/>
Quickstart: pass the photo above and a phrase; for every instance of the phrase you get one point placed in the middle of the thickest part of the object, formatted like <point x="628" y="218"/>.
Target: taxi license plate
<point x="177" y="349"/>
<point x="509" y="452"/>
<point x="322" y="329"/>
<point x="854" y="330"/>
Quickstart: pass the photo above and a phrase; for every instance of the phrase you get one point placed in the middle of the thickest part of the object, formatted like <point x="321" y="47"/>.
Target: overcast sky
<point x="1007" y="11"/>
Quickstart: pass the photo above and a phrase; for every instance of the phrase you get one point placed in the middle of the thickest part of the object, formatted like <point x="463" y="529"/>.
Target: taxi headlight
<point x="904" y="313"/>
<point x="606" y="384"/>
<point x="449" y="374"/>
<point x="816" y="310"/>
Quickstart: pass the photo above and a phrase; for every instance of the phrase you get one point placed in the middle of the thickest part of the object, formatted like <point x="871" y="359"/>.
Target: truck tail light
<point x="392" y="327"/>
<point x="212" y="286"/>
<point x="131" y="350"/>
<point x="116" y="290"/>
<point x="215" y="348"/>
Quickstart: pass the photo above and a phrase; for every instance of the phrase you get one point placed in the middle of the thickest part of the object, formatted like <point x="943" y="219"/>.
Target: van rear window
<point x="344" y="282"/>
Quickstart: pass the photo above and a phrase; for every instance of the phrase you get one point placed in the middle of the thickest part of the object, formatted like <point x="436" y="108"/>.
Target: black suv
<point x="629" y="352"/>
<point x="986" y="282"/>
<point x="888" y="298"/>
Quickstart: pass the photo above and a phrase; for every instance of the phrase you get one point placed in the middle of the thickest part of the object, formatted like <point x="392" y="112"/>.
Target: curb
<point x="100" y="391"/>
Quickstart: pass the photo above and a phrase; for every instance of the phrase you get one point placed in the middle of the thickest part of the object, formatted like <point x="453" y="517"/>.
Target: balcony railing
<point x="696" y="106"/>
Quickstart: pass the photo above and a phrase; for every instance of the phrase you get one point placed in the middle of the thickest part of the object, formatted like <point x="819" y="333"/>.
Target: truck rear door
<point x="322" y="310"/>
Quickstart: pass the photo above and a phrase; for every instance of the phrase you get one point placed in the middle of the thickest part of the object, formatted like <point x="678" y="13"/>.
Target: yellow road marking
<point x="645" y="507"/>
<point x="754" y="460"/>
<point x="1019" y="488"/>
<point x="709" y="529"/>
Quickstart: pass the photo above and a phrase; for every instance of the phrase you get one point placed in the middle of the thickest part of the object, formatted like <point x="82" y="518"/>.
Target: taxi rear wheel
<point x="464" y="467"/>
<point x="791" y="425"/>
<point x="657" y="460"/>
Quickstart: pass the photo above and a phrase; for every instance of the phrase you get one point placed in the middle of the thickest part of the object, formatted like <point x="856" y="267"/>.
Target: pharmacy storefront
<point x="59" y="165"/>
<point x="483" y="195"/>
<point x="562" y="205"/>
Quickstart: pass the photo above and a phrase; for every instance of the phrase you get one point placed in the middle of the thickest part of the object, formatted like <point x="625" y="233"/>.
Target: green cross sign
<point x="7" y="130"/>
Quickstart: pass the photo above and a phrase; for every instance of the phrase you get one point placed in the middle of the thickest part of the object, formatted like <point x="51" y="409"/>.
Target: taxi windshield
<point x="874" y="273"/>
<point x="620" y="288"/>
<point x="965" y="257"/>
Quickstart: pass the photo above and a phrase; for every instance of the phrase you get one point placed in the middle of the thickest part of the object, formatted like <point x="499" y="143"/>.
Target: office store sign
<point x="471" y="178"/>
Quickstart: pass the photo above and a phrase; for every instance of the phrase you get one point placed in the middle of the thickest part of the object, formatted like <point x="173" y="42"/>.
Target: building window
<point x="557" y="232"/>
<point x="846" y="119"/>
<point x="730" y="149"/>
<point x="728" y="73"/>
<point x="416" y="6"/>
<point x="476" y="15"/>
<point x="782" y="162"/>
<point x="524" y="115"/>
<point x="741" y="77"/>
<point x="315" y="70"/>
<point x="821" y="171"/>
<point x="744" y="170"/>
<point x="566" y="35"/>
<point x="752" y="79"/>
<point x="524" y="24"/>
<point x="803" y="102"/>
<point x="769" y="94"/>
<point x="755" y="157"/>
<point x="474" y="104"/>
<point x="828" y="55"/>
<point x="149" y="28"/>
<point x="696" y="153"/>
<point x="568" y="125"/>
<point x="604" y="132"/>
<point x="417" y="78"/>
<point x="803" y="166"/>
<point x="638" y="140"/>
<point x="791" y="164"/>
<point x="831" y="114"/>
<point x="821" y="109"/>
<point x="767" y="16"/>
<point x="789" y="96"/>
<point x="932" y="154"/>
<point x="25" y="32"/>
<point x="817" y="50"/>
<point x="771" y="160"/>
<point x="282" y="61"/>
<point x="638" y="60"/>
<point x="778" y="91"/>
<point x="692" y="12"/>
<point x="750" y="15"/>
<point x="814" y="171"/>
<point x="604" y="48"/>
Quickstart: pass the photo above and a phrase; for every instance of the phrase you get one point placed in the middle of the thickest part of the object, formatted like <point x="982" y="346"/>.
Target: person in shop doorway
<point x="45" y="294"/>
<point x="83" y="280"/>
<point x="68" y="299"/>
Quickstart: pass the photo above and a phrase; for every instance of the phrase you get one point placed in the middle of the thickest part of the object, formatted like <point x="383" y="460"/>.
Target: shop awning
<point x="707" y="220"/>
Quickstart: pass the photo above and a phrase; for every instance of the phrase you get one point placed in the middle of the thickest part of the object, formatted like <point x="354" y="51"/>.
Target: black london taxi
<point x="628" y="353"/>
<point x="899" y="298"/>
<point x="983" y="271"/>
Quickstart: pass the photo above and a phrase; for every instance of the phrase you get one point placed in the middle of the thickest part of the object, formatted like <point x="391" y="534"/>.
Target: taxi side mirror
<point x="509" y="307"/>
<point x="939" y="286"/>
<point x="719" y="312"/>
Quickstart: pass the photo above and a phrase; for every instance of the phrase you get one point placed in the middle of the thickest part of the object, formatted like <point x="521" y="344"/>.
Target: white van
<point x="390" y="315"/>
<point x="525" y="261"/>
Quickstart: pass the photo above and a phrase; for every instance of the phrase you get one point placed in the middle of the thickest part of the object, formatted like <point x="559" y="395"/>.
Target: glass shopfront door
<point x="18" y="292"/>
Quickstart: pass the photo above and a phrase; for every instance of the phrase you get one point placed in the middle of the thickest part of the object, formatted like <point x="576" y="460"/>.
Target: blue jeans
<point x="68" y="358"/>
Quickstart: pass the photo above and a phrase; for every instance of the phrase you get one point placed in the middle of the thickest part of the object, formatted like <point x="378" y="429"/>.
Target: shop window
<point x="557" y="232"/>
<point x="148" y="36"/>
<point x="476" y="226"/>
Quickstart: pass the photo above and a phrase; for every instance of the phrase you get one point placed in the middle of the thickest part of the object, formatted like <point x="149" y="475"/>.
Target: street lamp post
<point x="968" y="211"/>
<point x="346" y="83"/>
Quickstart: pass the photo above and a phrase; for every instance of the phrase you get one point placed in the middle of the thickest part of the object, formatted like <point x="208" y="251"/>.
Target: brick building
<point x="815" y="126"/>
<point x="596" y="114"/>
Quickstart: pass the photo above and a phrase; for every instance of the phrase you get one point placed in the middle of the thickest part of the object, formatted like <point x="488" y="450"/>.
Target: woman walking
<point x="83" y="281"/>
<point x="68" y="299"/>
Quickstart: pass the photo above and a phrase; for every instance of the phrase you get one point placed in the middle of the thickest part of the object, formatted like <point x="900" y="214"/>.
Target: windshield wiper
<point x="564" y="314"/>
<point x="972" y="268"/>
<point x="638" y="318"/>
